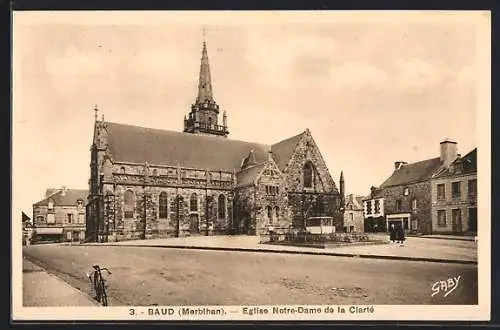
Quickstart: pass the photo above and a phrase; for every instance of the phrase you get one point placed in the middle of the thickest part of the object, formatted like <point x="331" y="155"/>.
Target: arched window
<point x="269" y="214"/>
<point x="163" y="205"/>
<point x="308" y="175"/>
<point x="129" y="204"/>
<point x="221" y="211"/>
<point x="193" y="203"/>
<point x="122" y="170"/>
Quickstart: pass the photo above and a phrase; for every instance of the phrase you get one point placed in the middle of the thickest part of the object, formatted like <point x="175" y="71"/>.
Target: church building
<point x="149" y="183"/>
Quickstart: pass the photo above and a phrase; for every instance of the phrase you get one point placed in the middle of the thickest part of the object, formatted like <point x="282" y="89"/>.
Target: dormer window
<point x="79" y="203"/>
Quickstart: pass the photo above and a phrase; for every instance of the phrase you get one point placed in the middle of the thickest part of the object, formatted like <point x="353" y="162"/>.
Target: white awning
<point x="49" y="231"/>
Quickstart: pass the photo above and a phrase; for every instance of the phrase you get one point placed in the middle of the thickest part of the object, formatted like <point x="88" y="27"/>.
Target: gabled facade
<point x="353" y="214"/>
<point x="147" y="183"/>
<point x="454" y="196"/>
<point x="60" y="216"/>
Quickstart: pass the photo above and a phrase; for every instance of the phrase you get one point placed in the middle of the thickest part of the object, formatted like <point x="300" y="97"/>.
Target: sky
<point x="372" y="89"/>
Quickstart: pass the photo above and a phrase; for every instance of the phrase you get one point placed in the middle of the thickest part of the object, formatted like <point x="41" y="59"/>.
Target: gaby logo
<point x="446" y="286"/>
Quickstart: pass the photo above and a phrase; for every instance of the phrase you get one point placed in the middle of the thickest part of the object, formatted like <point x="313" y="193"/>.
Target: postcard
<point x="278" y="165"/>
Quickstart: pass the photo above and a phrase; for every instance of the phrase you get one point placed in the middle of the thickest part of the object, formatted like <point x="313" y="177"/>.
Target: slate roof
<point x="128" y="143"/>
<point x="354" y="202"/>
<point x="283" y="150"/>
<point x="470" y="161"/>
<point x="359" y="200"/>
<point x="68" y="199"/>
<point x="414" y="172"/>
<point x="468" y="165"/>
<point x="136" y="144"/>
<point x="249" y="174"/>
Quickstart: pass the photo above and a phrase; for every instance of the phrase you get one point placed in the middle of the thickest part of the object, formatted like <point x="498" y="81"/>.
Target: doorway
<point x="456" y="220"/>
<point x="473" y="219"/>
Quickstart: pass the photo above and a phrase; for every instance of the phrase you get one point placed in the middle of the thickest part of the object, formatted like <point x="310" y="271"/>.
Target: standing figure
<point x="392" y="233"/>
<point x="401" y="235"/>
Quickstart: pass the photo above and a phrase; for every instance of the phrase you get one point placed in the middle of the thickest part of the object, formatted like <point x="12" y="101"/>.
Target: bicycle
<point x="99" y="284"/>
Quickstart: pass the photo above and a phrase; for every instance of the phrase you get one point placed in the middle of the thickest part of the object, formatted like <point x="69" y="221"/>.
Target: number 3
<point x="131" y="311"/>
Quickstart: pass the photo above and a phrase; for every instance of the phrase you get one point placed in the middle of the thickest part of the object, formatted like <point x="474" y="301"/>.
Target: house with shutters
<point x="60" y="216"/>
<point x="147" y="183"/>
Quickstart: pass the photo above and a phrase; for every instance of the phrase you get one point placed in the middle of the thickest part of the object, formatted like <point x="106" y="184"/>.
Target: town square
<point x="247" y="162"/>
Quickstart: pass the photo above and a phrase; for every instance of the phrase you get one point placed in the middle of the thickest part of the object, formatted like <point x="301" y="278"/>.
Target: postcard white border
<point x="482" y="22"/>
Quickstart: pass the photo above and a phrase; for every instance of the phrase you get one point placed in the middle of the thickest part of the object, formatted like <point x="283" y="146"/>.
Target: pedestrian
<point x="392" y="233"/>
<point x="401" y="236"/>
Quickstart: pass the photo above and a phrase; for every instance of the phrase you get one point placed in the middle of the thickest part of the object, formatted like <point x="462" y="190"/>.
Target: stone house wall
<point x="465" y="203"/>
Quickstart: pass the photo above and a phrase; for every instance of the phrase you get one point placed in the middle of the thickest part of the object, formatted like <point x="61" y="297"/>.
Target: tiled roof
<point x="69" y="198"/>
<point x="283" y="150"/>
<point x="248" y="175"/>
<point x="414" y="172"/>
<point x="136" y="144"/>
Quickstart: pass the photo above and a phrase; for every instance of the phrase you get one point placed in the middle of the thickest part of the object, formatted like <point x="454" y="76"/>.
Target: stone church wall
<point x="191" y="222"/>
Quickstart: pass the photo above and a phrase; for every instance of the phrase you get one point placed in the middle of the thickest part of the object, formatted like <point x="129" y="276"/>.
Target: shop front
<point x="399" y="220"/>
<point x="49" y="234"/>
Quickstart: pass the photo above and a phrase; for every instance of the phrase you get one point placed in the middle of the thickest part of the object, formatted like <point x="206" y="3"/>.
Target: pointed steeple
<point x="205" y="81"/>
<point x="204" y="115"/>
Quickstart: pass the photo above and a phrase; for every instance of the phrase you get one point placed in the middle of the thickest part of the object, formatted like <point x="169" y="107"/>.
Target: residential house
<point x="27" y="228"/>
<point x="407" y="193"/>
<point x="353" y="214"/>
<point x="454" y="196"/>
<point x="60" y="216"/>
<point x="373" y="211"/>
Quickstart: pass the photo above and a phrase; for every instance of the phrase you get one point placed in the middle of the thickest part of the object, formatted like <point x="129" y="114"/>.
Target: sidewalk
<point x="416" y="249"/>
<point x="451" y="237"/>
<point x="41" y="289"/>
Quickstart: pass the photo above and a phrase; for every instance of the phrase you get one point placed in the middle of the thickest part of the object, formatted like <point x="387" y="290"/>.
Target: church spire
<point x="204" y="115"/>
<point x="205" y="81"/>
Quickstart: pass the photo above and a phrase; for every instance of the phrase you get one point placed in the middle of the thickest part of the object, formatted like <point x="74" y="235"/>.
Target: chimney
<point x="448" y="151"/>
<point x="63" y="191"/>
<point x="399" y="164"/>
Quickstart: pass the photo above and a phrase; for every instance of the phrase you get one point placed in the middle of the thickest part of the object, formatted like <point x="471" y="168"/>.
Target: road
<point x="147" y="276"/>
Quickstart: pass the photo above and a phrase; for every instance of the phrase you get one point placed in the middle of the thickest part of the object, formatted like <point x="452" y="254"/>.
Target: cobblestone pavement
<point x="147" y="276"/>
